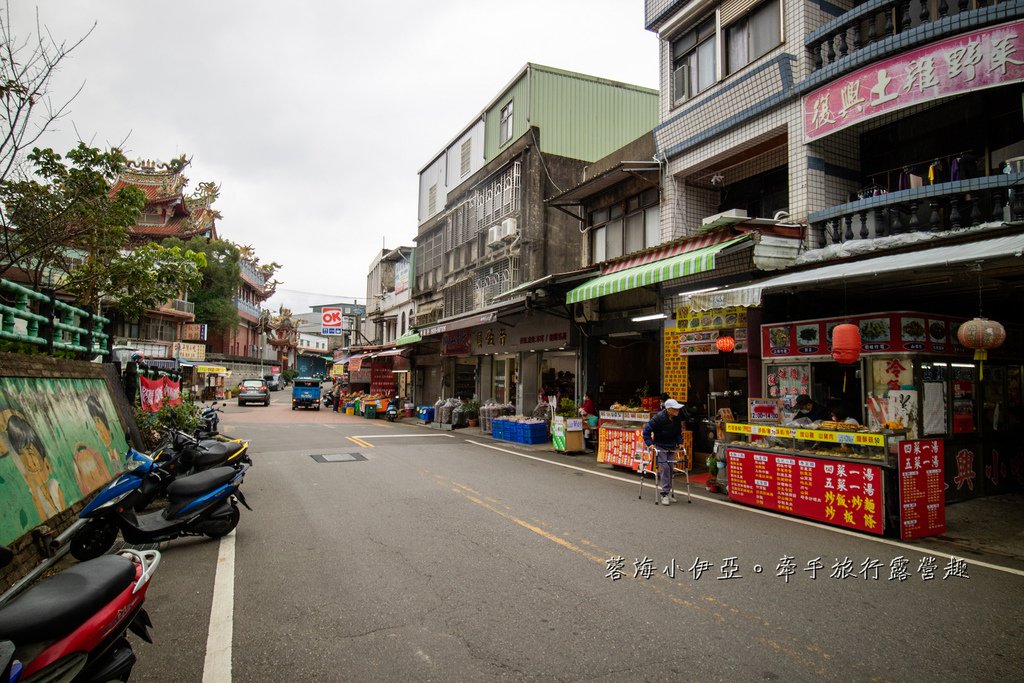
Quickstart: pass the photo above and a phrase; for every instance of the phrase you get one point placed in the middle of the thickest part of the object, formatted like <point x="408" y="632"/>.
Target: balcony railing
<point x="944" y="206"/>
<point x="181" y="306"/>
<point x="912" y="22"/>
<point x="246" y="307"/>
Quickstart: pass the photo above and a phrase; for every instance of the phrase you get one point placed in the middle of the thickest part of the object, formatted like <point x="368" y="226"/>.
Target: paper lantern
<point x="846" y="343"/>
<point x="981" y="333"/>
<point x="725" y="344"/>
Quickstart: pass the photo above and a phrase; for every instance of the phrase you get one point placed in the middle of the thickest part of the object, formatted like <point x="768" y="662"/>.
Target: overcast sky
<point x="314" y="117"/>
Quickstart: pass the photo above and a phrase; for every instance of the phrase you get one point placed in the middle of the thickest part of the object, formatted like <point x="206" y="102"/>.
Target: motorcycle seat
<point x="197" y="484"/>
<point x="61" y="603"/>
<point x="214" y="453"/>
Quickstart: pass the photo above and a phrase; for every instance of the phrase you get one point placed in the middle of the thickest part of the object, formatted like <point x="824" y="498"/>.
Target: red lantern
<point x="725" y="344"/>
<point x="846" y="343"/>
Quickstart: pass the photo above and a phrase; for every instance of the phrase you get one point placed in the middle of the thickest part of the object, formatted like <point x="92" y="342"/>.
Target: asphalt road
<point x="414" y="554"/>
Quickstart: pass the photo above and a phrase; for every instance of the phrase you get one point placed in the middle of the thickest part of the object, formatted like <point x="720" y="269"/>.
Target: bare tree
<point x="27" y="109"/>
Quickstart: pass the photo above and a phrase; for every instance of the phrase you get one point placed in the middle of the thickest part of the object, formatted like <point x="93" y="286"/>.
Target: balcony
<point x="943" y="206"/>
<point x="247" y="310"/>
<point x="878" y="28"/>
<point x="179" y="308"/>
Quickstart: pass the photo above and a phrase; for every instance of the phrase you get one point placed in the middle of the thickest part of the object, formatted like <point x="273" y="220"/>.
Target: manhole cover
<point x="338" y="457"/>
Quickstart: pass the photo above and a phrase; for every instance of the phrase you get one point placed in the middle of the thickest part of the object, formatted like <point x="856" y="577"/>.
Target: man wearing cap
<point x="807" y="408"/>
<point x="664" y="433"/>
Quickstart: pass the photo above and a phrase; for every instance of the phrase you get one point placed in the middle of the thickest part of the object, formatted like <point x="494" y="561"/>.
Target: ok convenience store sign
<point x="980" y="59"/>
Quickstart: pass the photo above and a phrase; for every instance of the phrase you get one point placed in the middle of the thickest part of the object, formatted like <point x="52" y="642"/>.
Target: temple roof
<point x="163" y="185"/>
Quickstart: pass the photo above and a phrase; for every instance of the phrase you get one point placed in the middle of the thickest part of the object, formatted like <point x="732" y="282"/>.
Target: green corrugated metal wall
<point x="580" y="117"/>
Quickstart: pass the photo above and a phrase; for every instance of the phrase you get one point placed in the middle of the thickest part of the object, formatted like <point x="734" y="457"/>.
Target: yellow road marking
<point x="359" y="442"/>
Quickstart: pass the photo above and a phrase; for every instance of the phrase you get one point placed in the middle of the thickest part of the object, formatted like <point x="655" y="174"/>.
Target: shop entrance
<point x="558" y="374"/>
<point x="503" y="388"/>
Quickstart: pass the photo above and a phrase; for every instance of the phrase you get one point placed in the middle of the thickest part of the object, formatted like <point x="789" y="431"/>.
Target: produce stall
<point x="836" y="473"/>
<point x="620" y="437"/>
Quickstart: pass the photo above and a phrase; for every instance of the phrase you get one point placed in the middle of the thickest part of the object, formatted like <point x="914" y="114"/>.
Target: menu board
<point x="844" y="494"/>
<point x="922" y="488"/>
<point x="619" y="445"/>
<point x="676" y="372"/>
<point x="786" y="382"/>
<point x="879" y="332"/>
<point x="697" y="321"/>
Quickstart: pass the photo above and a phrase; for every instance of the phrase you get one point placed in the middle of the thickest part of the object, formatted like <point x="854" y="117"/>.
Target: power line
<point x="326" y="296"/>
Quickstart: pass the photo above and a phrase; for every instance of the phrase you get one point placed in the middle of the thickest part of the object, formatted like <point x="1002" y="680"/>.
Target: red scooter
<point x="72" y="626"/>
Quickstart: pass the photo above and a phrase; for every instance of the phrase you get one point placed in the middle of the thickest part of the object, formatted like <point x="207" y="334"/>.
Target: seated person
<point x="841" y="413"/>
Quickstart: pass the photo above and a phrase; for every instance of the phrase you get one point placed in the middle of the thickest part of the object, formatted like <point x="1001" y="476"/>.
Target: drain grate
<point x="338" y="457"/>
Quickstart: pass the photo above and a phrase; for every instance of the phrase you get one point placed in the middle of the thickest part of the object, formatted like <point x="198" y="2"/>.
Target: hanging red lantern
<point x="725" y="344"/>
<point x="846" y="343"/>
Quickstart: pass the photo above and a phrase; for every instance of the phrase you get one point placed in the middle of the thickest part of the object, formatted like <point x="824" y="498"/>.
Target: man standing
<point x="664" y="433"/>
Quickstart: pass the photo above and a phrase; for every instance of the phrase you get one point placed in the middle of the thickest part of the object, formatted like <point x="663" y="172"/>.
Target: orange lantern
<point x="725" y="344"/>
<point x="846" y="343"/>
<point x="981" y="334"/>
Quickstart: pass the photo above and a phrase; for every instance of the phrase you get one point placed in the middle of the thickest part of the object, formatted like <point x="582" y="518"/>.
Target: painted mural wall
<point x="60" y="440"/>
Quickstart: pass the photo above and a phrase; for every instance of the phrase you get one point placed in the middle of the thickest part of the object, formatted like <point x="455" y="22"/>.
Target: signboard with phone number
<point x="900" y="332"/>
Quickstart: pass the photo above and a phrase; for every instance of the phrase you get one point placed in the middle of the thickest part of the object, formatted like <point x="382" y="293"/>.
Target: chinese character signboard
<point x="331" y="321"/>
<point x="845" y="494"/>
<point x="922" y="484"/>
<point x="675" y="374"/>
<point x="980" y="59"/>
<point x="195" y="332"/>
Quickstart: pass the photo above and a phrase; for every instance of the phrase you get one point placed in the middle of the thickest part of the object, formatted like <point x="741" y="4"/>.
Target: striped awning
<point x="689" y="263"/>
<point x="684" y="247"/>
<point x="410" y="338"/>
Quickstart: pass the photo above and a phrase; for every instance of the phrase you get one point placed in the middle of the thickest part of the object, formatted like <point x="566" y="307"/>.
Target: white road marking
<point x="217" y="667"/>
<point x="402" y="436"/>
<point x="769" y="513"/>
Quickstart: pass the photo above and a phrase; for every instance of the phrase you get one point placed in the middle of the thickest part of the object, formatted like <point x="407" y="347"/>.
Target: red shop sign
<point x="845" y="494"/>
<point x="901" y="332"/>
<point x="922" y="488"/>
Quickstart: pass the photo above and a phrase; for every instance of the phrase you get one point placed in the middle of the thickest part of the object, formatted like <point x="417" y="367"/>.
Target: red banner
<point x="922" y="488"/>
<point x="842" y="493"/>
<point x="151" y="393"/>
<point x="172" y="391"/>
<point x="155" y="392"/>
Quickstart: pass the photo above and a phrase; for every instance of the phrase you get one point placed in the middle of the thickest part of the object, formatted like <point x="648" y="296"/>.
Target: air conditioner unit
<point x="587" y="311"/>
<point x="494" y="235"/>
<point x="509" y="229"/>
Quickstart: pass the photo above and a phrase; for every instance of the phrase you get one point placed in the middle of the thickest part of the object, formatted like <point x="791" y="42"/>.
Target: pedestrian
<point x="663" y="434"/>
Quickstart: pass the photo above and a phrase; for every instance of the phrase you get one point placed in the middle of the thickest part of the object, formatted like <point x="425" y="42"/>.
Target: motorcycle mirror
<point x="6" y="555"/>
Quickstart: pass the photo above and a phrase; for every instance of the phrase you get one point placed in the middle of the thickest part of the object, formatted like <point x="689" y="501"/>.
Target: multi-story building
<point x="389" y="308"/>
<point x="890" y="132"/>
<point x="485" y="229"/>
<point x="160" y="333"/>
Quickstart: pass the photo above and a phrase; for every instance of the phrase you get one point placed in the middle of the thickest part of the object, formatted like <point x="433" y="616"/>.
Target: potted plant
<point x="471" y="409"/>
<point x="712" y="482"/>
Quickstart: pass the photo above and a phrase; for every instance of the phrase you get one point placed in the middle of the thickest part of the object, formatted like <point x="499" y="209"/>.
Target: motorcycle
<point x="209" y="421"/>
<point x="393" y="413"/>
<point x="181" y="454"/>
<point x="203" y="504"/>
<point x="73" y="625"/>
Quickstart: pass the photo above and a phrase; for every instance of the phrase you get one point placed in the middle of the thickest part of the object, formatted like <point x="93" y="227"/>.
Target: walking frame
<point x="647" y="463"/>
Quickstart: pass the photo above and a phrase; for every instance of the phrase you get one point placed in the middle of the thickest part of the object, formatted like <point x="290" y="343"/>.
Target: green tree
<point x="145" y="278"/>
<point x="214" y="300"/>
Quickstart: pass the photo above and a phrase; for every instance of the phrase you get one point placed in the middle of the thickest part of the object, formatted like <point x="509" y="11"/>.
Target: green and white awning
<point x="681" y="265"/>
<point x="411" y="338"/>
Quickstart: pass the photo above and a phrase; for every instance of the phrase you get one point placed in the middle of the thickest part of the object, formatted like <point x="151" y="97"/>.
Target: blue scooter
<point x="202" y="504"/>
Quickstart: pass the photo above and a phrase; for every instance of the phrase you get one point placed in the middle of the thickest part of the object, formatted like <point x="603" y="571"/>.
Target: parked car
<point x="274" y="382"/>
<point x="253" y="391"/>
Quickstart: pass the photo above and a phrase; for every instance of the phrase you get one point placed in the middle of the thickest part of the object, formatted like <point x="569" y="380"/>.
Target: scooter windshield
<point x="136" y="462"/>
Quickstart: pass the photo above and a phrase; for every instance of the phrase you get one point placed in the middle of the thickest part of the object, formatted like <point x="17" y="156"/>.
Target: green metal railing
<point x="57" y="325"/>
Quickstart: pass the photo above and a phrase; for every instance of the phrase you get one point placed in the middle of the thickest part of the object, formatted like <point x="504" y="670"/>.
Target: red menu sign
<point x="922" y="488"/>
<point x="900" y="332"/>
<point x="845" y="494"/>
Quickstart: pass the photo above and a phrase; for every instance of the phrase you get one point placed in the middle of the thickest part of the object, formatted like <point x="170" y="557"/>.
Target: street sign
<point x="331" y="321"/>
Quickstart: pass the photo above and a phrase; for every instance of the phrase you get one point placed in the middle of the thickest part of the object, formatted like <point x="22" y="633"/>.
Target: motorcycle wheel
<point x="92" y="540"/>
<point x="215" y="528"/>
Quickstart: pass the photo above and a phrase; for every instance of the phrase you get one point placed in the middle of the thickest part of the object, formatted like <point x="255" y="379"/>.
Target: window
<point x="432" y="200"/>
<point x="626" y="227"/>
<point x="465" y="157"/>
<point x="753" y="36"/>
<point x="505" y="130"/>
<point x="693" y="61"/>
